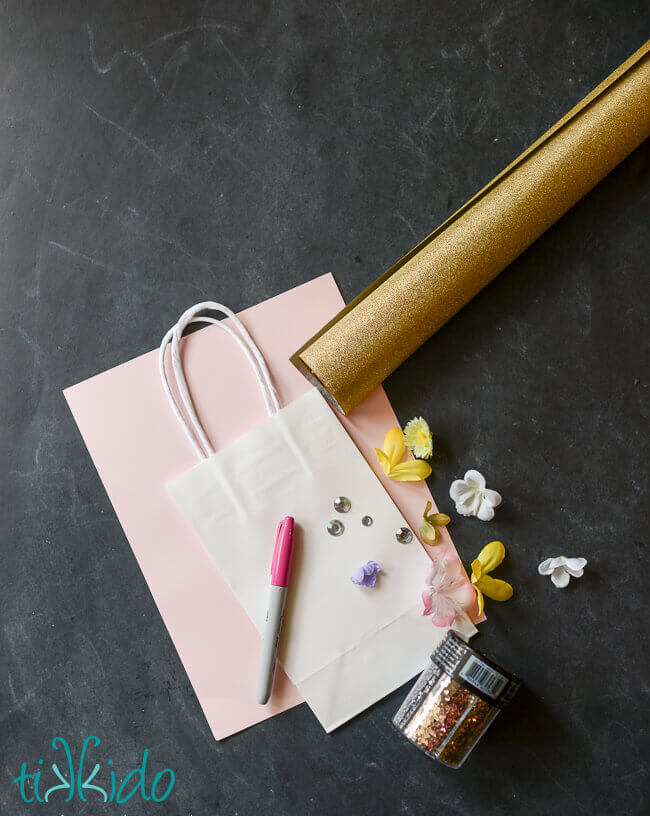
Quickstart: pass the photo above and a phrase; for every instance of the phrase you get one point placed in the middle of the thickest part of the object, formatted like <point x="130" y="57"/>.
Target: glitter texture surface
<point x="387" y="323"/>
<point x="438" y="713"/>
<point x="461" y="742"/>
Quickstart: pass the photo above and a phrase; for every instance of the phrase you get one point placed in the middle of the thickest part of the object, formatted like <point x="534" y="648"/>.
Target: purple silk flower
<point x="366" y="575"/>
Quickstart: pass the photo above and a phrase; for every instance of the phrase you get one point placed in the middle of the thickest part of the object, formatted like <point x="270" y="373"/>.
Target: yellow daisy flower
<point x="418" y="438"/>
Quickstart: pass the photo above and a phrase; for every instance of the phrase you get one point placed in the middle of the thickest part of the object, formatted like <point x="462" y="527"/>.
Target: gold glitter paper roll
<point x="387" y="322"/>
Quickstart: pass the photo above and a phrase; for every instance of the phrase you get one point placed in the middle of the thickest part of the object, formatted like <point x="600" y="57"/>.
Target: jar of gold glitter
<point x="454" y="701"/>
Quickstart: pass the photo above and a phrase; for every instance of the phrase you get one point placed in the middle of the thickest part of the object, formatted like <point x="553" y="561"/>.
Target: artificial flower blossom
<point x="562" y="569"/>
<point x="448" y="592"/>
<point x="366" y="575"/>
<point x="389" y="458"/>
<point x="490" y="557"/>
<point x="430" y="522"/>
<point x="473" y="498"/>
<point x="418" y="438"/>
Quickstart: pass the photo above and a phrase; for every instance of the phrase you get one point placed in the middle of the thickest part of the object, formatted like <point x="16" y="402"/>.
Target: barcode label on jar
<point x="485" y="678"/>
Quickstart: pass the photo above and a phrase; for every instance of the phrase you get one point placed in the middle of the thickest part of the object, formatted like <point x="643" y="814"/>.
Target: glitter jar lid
<point x="482" y="676"/>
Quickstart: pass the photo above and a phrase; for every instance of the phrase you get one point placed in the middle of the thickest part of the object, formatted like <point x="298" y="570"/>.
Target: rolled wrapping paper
<point x="387" y="322"/>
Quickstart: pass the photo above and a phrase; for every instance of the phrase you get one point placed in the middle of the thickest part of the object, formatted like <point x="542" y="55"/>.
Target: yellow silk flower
<point x="430" y="522"/>
<point x="490" y="557"/>
<point x="389" y="459"/>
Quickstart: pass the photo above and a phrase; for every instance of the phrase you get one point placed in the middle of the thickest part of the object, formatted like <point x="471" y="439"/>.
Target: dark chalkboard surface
<point x="155" y="154"/>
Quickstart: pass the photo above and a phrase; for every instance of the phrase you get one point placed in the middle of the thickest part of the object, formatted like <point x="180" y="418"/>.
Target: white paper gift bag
<point x="345" y="646"/>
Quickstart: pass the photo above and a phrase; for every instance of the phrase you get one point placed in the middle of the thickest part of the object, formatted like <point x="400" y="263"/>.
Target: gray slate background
<point x="157" y="153"/>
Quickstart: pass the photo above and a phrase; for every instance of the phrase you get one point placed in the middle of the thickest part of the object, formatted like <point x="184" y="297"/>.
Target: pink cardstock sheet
<point x="138" y="446"/>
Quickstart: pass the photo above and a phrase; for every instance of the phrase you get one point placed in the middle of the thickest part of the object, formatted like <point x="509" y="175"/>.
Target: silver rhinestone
<point x="367" y="521"/>
<point x="342" y="504"/>
<point x="335" y="527"/>
<point x="403" y="535"/>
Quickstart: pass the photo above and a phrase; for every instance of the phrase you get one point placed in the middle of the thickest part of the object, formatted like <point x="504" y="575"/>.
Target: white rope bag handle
<point x="195" y="432"/>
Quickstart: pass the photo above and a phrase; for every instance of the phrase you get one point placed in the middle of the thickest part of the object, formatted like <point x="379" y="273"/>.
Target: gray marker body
<point x="277" y="596"/>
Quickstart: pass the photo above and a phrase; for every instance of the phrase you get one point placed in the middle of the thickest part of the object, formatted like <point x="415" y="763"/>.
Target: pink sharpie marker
<point x="280" y="569"/>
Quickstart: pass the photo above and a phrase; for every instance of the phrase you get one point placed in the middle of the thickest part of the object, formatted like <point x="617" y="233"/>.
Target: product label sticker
<point x="484" y="677"/>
